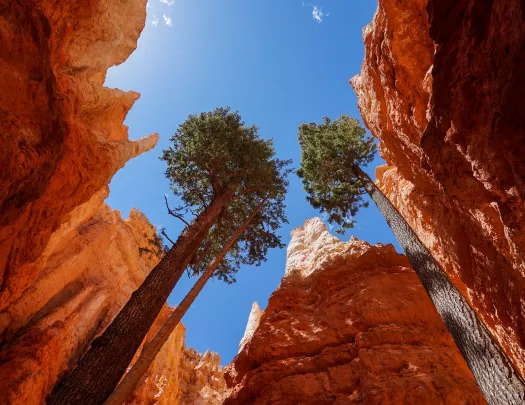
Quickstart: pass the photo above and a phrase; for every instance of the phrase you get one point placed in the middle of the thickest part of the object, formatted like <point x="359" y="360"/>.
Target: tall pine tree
<point x="220" y="169"/>
<point x="332" y="155"/>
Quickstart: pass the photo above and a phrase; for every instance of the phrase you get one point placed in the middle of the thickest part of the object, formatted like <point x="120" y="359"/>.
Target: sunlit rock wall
<point x="68" y="263"/>
<point x="442" y="88"/>
<point x="90" y="274"/>
<point x="61" y="130"/>
<point x="349" y="324"/>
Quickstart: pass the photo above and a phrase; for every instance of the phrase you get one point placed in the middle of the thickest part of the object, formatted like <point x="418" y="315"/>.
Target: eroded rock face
<point x="448" y="110"/>
<point x="89" y="276"/>
<point x="161" y="383"/>
<point x="61" y="131"/>
<point x="68" y="263"/>
<point x="201" y="378"/>
<point x="251" y="326"/>
<point x="349" y="324"/>
<point x="179" y="376"/>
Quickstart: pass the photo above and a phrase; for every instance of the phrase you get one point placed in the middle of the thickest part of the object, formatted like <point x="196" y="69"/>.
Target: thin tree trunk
<point x="136" y="373"/>
<point x="99" y="371"/>
<point x="494" y="372"/>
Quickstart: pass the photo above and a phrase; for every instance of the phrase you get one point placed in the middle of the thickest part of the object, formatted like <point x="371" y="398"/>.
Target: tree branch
<point x="247" y="191"/>
<point x="201" y="197"/>
<point x="163" y="233"/>
<point x="173" y="213"/>
<point x="214" y="185"/>
<point x="198" y="257"/>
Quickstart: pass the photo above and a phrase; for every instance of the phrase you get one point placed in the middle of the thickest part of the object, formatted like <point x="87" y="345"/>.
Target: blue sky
<point x="280" y="63"/>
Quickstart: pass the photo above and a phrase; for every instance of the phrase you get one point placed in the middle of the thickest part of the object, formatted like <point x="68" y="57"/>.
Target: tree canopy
<point x="330" y="152"/>
<point x="213" y="152"/>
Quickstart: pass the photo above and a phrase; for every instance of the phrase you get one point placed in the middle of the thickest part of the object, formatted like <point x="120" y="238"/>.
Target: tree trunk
<point x="99" y="371"/>
<point x="494" y="372"/>
<point x="135" y="374"/>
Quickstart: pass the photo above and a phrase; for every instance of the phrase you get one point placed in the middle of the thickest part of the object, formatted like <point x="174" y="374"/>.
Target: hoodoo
<point x="350" y="323"/>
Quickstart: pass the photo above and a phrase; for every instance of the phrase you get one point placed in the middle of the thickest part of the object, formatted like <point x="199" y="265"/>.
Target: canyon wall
<point x="92" y="271"/>
<point x="68" y="263"/>
<point x="349" y="324"/>
<point x="442" y="88"/>
<point x="61" y="130"/>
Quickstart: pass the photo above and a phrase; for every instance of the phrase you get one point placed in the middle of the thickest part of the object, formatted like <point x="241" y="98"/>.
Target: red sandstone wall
<point x="442" y="88"/>
<point x="61" y="131"/>
<point x="349" y="324"/>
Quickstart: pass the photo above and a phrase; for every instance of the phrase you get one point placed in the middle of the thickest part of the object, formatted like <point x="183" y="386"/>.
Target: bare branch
<point x="173" y="213"/>
<point x="163" y="233"/>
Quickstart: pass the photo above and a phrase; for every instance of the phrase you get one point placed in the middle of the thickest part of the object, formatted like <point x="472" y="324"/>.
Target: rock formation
<point x="349" y="324"/>
<point x="88" y="277"/>
<point x="179" y="375"/>
<point x="61" y="130"/>
<point x="68" y="263"/>
<point x="253" y="322"/>
<point x="161" y="382"/>
<point x="201" y="378"/>
<point x="442" y="88"/>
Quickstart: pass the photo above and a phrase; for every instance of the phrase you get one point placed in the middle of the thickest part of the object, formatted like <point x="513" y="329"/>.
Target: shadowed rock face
<point x="442" y="88"/>
<point x="349" y="324"/>
<point x="61" y="131"/>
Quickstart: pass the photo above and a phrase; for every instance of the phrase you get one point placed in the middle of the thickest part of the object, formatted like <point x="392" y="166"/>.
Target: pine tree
<point x="332" y="155"/>
<point x="220" y="169"/>
<point x="134" y="376"/>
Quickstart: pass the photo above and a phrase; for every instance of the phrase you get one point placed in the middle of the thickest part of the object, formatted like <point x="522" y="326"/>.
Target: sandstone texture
<point x="88" y="277"/>
<point x="442" y="88"/>
<point x="349" y="324"/>
<point x="68" y="263"/>
<point x="179" y="375"/>
<point x="161" y="382"/>
<point x="253" y="322"/>
<point x="61" y="130"/>
<point x="201" y="378"/>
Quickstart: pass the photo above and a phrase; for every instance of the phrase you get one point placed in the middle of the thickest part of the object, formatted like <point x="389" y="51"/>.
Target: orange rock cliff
<point x="88" y="277"/>
<point x="68" y="263"/>
<point x="350" y="323"/>
<point x="442" y="88"/>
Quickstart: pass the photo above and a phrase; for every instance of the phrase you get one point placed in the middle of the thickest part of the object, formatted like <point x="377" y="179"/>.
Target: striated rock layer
<point x="349" y="324"/>
<point x="61" y="130"/>
<point x="442" y="88"/>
